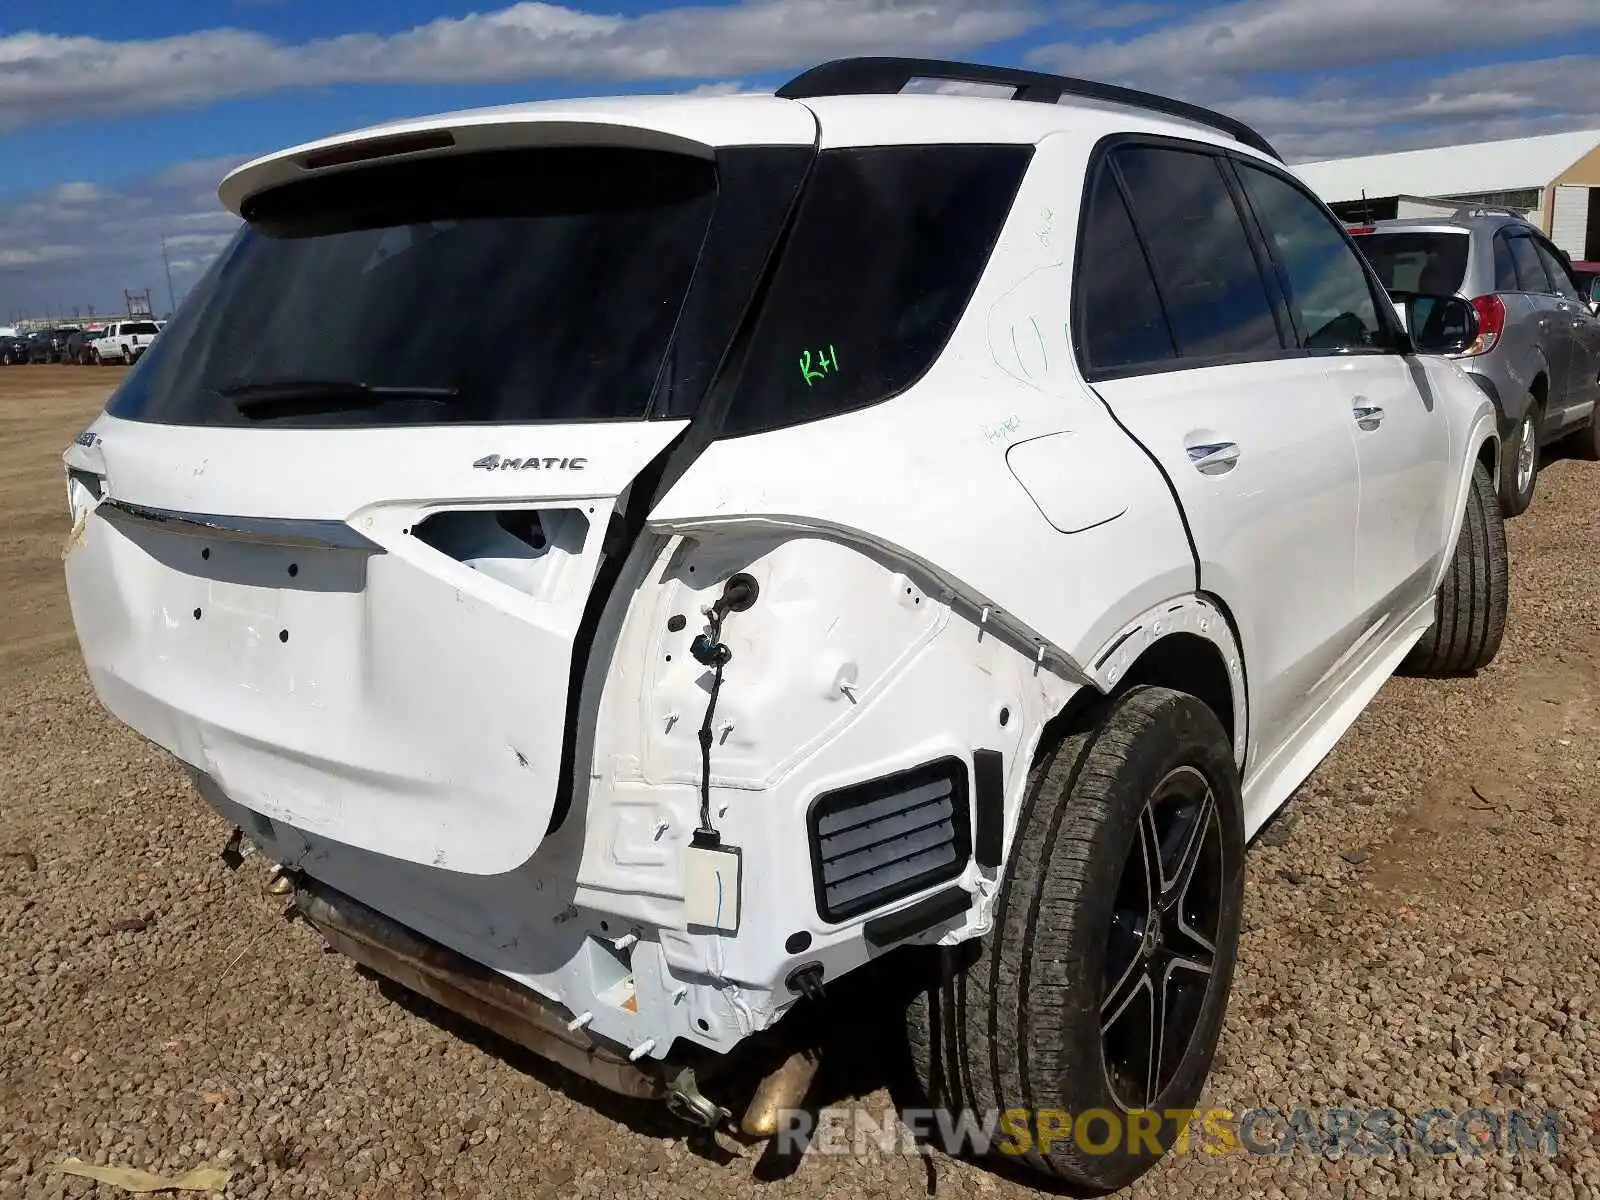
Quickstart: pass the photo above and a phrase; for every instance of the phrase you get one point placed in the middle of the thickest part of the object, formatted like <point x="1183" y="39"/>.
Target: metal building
<point x="1553" y="178"/>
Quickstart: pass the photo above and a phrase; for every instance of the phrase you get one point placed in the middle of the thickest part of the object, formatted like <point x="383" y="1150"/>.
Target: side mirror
<point x="1439" y="324"/>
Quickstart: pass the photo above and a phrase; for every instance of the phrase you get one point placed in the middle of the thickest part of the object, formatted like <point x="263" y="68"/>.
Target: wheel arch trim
<point x="1196" y="615"/>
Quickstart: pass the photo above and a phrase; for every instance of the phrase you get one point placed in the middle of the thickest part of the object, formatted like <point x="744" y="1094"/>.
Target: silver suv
<point x="1538" y="348"/>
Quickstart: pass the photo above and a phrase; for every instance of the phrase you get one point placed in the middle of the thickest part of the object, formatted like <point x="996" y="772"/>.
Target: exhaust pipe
<point x="467" y="988"/>
<point x="786" y="1087"/>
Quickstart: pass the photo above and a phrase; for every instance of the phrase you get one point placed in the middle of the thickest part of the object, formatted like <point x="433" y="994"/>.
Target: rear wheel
<point x="1474" y="596"/>
<point x="1093" y="1008"/>
<point x="1520" y="469"/>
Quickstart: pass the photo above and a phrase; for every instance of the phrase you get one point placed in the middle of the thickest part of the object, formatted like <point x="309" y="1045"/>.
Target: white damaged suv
<point x="637" y="562"/>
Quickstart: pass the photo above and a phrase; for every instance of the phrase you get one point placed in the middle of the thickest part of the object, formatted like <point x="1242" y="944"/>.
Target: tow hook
<point x="686" y="1100"/>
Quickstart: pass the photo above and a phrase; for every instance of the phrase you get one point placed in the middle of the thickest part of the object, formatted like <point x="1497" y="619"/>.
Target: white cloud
<point x="1327" y="94"/>
<point x="730" y="88"/>
<point x="1316" y="35"/>
<point x="80" y="244"/>
<point x="1345" y="115"/>
<point x="49" y="77"/>
<point x="1092" y="14"/>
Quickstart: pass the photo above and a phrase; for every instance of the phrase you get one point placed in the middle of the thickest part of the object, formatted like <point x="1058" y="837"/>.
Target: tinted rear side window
<point x="886" y="249"/>
<point x="1530" y="270"/>
<point x="1557" y="270"/>
<point x="1209" y="278"/>
<point x="531" y="285"/>
<point x="1431" y="263"/>
<point x="1121" y="323"/>
<point x="1505" y="267"/>
<point x="1323" y="277"/>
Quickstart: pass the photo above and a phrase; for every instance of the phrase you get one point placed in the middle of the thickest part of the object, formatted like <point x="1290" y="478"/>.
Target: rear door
<point x="1554" y="330"/>
<point x="1401" y="436"/>
<point x="1195" y="362"/>
<point x="1582" y="330"/>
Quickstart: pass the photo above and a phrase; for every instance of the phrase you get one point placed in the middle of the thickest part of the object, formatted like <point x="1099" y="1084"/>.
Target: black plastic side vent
<point x="877" y="842"/>
<point x="989" y="806"/>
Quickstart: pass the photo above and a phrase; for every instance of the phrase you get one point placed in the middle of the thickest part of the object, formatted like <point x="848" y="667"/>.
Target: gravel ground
<point x="1419" y="932"/>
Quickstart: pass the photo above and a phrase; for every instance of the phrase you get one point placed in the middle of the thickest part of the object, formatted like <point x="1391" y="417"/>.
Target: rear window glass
<point x="886" y="250"/>
<point x="515" y="286"/>
<point x="140" y="327"/>
<point x="1434" y="263"/>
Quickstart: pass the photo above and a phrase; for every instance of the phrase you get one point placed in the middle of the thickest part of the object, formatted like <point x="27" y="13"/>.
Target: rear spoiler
<point x="679" y="125"/>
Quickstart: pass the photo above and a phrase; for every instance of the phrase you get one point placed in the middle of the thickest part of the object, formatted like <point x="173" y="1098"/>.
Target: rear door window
<point x="1427" y="261"/>
<point x="1530" y="270"/>
<point x="1556" y="270"/>
<point x="1211" y="285"/>
<point x="1323" y="276"/>
<point x="1121" y="324"/>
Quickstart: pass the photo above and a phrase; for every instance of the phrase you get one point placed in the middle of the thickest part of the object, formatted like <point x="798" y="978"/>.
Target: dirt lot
<point x="1420" y="931"/>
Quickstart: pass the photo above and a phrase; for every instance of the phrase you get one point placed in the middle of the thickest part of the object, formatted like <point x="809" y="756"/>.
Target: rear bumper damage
<point x="381" y="705"/>
<point x="469" y="989"/>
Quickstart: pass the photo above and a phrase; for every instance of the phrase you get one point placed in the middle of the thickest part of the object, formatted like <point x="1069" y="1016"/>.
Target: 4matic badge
<point x="493" y="462"/>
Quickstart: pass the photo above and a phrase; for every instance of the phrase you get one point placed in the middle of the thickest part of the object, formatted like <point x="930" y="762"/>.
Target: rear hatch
<point x="1428" y="261"/>
<point x="338" y="530"/>
<point x="140" y="334"/>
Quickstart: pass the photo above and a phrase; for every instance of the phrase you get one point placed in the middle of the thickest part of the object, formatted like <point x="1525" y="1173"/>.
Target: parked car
<point x="13" y="349"/>
<point x="76" y="347"/>
<point x="124" y="341"/>
<point x="48" y="345"/>
<point x="1538" y="353"/>
<point x="568" y="685"/>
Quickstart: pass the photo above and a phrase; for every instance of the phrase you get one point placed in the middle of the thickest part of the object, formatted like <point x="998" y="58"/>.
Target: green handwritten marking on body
<point x="825" y="364"/>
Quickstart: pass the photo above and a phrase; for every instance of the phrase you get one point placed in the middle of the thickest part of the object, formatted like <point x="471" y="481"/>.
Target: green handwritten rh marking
<point x="826" y="363"/>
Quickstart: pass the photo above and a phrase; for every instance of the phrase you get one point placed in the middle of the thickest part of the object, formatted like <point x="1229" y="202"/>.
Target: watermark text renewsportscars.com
<point x="1324" y="1131"/>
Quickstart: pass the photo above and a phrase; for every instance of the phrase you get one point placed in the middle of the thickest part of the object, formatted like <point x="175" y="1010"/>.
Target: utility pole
<point x="172" y="302"/>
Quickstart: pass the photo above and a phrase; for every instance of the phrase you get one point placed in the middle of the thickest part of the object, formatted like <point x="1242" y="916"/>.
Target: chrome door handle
<point x="1214" y="458"/>
<point x="1368" y="416"/>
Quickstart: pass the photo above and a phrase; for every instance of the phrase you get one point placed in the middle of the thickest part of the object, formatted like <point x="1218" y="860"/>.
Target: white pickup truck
<point x="124" y="341"/>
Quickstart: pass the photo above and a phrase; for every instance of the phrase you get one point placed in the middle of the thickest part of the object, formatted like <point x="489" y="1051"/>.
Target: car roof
<point x="700" y="125"/>
<point x="1486" y="223"/>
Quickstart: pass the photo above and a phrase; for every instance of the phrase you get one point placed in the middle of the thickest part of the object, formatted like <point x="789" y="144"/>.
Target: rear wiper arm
<point x="289" y="396"/>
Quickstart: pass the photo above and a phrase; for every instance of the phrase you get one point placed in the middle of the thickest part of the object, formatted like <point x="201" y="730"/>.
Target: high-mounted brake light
<point x="379" y="147"/>
<point x="1491" y="312"/>
<point x="1358" y="230"/>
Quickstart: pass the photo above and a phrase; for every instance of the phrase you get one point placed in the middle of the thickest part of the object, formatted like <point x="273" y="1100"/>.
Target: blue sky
<point x="117" y="121"/>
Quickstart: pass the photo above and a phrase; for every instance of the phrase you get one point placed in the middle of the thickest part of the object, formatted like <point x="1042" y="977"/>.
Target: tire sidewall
<point x="1514" y="500"/>
<point x="1183" y="733"/>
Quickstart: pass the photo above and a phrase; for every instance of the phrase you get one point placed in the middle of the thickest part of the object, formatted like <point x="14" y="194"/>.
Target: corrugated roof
<point x="1450" y="170"/>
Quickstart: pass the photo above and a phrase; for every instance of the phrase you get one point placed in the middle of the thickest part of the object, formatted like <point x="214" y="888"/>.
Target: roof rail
<point x="887" y="76"/>
<point x="1488" y="210"/>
